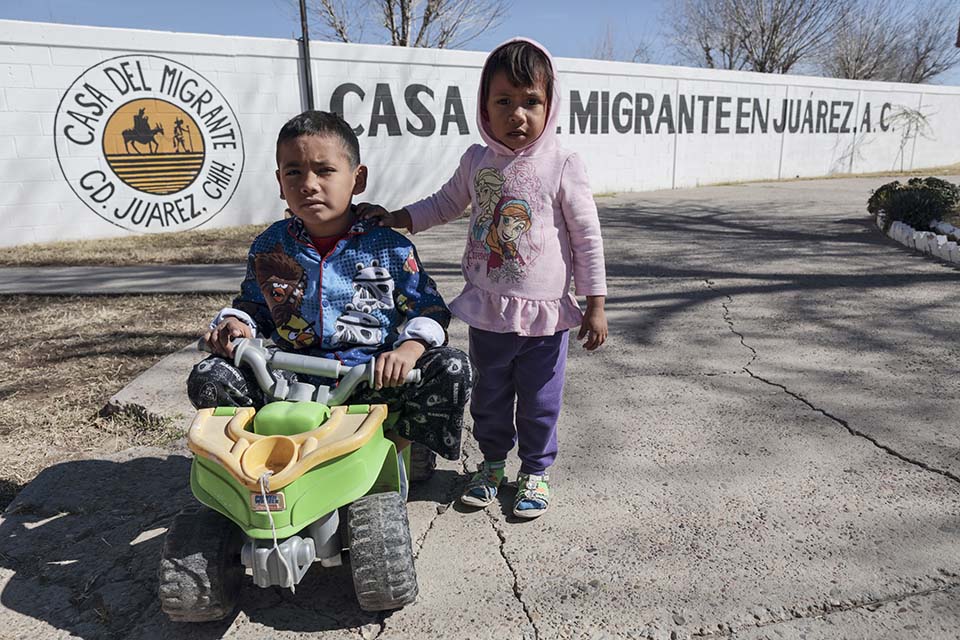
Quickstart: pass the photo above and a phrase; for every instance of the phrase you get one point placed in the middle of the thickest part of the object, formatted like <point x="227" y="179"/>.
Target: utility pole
<point x="305" y="53"/>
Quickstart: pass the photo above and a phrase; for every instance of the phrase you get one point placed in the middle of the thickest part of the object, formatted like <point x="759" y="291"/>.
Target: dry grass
<point x="213" y="246"/>
<point x="939" y="172"/>
<point x="63" y="359"/>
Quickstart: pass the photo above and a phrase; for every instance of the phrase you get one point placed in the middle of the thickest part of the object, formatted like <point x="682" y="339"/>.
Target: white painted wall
<point x="259" y="79"/>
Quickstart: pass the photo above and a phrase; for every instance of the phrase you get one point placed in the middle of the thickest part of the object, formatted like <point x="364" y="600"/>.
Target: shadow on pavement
<point x="81" y="547"/>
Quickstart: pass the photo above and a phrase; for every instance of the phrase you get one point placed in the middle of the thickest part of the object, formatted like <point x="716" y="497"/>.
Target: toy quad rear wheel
<point x="381" y="555"/>
<point x="200" y="568"/>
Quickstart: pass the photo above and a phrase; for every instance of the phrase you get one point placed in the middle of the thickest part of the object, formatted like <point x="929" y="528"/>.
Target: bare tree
<point x="439" y="24"/>
<point x="927" y="50"/>
<point x="702" y="34"/>
<point x="777" y="34"/>
<point x="643" y="52"/>
<point x="878" y="40"/>
<point x="607" y="47"/>
<point x="867" y="43"/>
<point x="339" y="19"/>
<point x="770" y="36"/>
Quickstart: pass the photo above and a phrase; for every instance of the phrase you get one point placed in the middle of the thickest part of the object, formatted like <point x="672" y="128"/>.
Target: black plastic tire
<point x="200" y="568"/>
<point x="423" y="462"/>
<point x="381" y="555"/>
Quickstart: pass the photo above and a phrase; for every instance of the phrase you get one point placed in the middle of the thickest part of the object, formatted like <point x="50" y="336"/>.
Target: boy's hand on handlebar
<point x="594" y="325"/>
<point x="399" y="219"/>
<point x="393" y="366"/>
<point x="219" y="339"/>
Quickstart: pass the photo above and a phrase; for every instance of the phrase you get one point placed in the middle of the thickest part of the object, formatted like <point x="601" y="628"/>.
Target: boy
<point x="323" y="283"/>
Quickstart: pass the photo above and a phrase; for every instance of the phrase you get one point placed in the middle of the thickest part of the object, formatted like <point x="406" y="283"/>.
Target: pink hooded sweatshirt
<point x="533" y="226"/>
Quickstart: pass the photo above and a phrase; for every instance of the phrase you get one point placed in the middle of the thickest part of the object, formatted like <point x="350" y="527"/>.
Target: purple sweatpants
<point x="527" y="371"/>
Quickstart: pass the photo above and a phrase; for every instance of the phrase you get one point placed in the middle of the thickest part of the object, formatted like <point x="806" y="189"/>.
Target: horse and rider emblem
<point x="142" y="153"/>
<point x="141" y="133"/>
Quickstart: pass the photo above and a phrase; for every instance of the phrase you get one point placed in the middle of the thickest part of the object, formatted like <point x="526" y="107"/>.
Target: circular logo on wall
<point x="148" y="144"/>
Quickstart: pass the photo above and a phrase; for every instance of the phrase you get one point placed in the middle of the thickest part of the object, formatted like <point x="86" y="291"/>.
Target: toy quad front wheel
<point x="381" y="554"/>
<point x="200" y="569"/>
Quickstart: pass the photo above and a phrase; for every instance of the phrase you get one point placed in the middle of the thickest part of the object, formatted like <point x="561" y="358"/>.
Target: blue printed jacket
<point x="350" y="304"/>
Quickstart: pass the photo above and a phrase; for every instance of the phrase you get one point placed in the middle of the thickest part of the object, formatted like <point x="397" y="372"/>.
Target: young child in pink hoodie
<point x="533" y="225"/>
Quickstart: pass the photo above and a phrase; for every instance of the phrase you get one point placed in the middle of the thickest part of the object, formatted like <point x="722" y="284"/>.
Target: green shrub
<point x="916" y="203"/>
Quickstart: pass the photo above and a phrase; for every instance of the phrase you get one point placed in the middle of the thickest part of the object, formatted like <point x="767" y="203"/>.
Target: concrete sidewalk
<point x="193" y="278"/>
<point x="766" y="448"/>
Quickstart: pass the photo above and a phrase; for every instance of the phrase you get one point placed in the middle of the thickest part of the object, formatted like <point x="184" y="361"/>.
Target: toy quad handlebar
<point x="253" y="353"/>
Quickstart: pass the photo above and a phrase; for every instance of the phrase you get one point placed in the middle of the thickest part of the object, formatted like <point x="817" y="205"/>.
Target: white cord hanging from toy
<point x="263" y="492"/>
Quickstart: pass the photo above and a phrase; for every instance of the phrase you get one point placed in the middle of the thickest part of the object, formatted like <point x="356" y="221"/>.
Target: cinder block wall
<point x="638" y="127"/>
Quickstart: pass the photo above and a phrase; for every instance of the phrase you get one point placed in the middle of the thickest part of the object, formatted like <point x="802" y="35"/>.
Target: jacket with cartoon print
<point x="366" y="295"/>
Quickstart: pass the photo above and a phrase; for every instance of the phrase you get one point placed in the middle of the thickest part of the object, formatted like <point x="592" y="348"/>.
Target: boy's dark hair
<point x="322" y="123"/>
<point x="523" y="62"/>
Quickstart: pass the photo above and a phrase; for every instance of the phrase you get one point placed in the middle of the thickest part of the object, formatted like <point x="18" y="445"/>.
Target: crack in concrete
<point x="840" y="421"/>
<point x="516" y="583"/>
<point x="418" y="544"/>
<point x="675" y="374"/>
<point x="857" y="432"/>
<point x="829" y="610"/>
<point x="517" y="593"/>
<point x="441" y="509"/>
<point x="733" y="330"/>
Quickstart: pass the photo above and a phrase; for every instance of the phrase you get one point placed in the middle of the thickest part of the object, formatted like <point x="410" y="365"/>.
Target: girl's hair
<point x="322" y="123"/>
<point x="524" y="64"/>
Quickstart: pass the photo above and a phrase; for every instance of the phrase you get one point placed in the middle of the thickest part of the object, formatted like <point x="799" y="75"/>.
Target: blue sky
<point x="562" y="25"/>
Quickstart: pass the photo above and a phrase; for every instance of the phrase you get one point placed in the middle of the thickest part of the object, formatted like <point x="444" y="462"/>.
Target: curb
<point x="941" y="245"/>
<point x="160" y="392"/>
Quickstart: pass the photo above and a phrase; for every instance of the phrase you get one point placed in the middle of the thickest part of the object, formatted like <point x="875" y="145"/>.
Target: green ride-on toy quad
<point x="275" y="483"/>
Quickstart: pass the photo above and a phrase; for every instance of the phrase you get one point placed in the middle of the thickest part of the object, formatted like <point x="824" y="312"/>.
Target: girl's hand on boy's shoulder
<point x="399" y="219"/>
<point x="594" y="325"/>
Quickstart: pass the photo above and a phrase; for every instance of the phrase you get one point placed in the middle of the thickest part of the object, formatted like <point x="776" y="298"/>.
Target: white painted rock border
<point x="941" y="245"/>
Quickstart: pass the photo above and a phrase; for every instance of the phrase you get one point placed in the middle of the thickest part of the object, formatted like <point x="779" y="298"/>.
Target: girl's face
<point x="517" y="115"/>
<point x="510" y="229"/>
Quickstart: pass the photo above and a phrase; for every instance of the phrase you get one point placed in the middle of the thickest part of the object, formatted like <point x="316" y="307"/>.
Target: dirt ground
<point x="65" y="356"/>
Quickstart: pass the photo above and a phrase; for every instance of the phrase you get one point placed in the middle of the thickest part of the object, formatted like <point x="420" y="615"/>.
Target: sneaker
<point x="483" y="486"/>
<point x="533" y="495"/>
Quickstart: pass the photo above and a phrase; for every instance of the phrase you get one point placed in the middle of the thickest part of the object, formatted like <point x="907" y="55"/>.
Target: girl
<point x="534" y="225"/>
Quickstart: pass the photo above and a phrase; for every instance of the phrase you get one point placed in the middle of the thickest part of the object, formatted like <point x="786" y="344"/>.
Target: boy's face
<point x="516" y="115"/>
<point x="318" y="183"/>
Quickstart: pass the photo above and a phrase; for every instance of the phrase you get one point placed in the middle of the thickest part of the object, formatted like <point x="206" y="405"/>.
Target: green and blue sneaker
<point x="533" y="495"/>
<point x="483" y="486"/>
